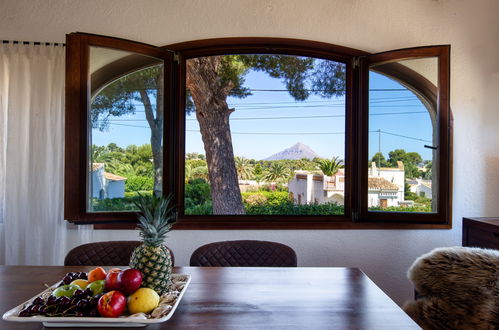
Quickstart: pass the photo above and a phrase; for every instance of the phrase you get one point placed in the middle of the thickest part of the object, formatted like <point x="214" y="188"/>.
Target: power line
<point x="292" y="117"/>
<point x="294" y="133"/>
<point x="328" y="90"/>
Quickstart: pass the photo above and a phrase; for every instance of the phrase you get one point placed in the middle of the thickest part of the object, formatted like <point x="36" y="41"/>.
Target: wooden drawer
<point x="481" y="233"/>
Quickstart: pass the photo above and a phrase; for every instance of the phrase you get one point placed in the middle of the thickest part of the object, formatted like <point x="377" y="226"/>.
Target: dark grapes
<point x="34" y="309"/>
<point x="67" y="279"/>
<point x="82" y="304"/>
<point x="94" y="301"/>
<point x="38" y="301"/>
<point x="88" y="292"/>
<point x="79" y="314"/>
<point x="43" y="309"/>
<point x="52" y="300"/>
<point x="24" y="313"/>
<point x="78" y="293"/>
<point x="63" y="301"/>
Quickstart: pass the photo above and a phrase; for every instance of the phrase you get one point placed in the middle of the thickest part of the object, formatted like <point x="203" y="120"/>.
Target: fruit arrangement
<point x="98" y="293"/>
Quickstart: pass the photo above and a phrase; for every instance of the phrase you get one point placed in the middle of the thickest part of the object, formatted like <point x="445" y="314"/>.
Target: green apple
<point x="66" y="290"/>
<point x="97" y="287"/>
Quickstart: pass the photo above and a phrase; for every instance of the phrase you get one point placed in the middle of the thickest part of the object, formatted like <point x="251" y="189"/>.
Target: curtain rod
<point x="37" y="43"/>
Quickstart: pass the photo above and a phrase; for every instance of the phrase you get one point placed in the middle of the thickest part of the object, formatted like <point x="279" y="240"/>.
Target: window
<point x="258" y="133"/>
<point x="273" y="127"/>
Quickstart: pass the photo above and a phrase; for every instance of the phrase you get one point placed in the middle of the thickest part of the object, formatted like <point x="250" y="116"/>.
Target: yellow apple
<point x="144" y="300"/>
<point x="81" y="283"/>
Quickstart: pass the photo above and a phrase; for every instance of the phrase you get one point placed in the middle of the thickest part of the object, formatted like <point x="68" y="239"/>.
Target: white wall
<point x="470" y="26"/>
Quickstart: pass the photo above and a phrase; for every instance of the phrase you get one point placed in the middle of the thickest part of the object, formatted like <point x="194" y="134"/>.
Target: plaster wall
<point x="470" y="26"/>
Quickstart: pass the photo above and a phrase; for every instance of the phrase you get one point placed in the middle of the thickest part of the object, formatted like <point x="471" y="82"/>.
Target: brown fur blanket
<point x="459" y="288"/>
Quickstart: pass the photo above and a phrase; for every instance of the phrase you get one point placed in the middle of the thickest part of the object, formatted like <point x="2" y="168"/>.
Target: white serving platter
<point x="73" y="321"/>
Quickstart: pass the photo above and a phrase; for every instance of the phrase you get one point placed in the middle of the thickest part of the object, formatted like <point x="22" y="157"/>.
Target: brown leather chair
<point x="109" y="253"/>
<point x="244" y="254"/>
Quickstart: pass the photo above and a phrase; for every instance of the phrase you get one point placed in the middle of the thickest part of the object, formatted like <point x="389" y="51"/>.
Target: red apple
<point x="111" y="304"/>
<point x="129" y="280"/>
<point x="112" y="282"/>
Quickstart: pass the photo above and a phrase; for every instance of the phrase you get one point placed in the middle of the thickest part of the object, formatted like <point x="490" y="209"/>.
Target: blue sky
<point x="263" y="123"/>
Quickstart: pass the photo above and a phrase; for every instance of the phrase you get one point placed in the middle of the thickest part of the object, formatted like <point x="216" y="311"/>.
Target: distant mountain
<point x="298" y="151"/>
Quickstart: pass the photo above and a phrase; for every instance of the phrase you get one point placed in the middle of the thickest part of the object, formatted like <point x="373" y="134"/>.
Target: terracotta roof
<point x="96" y="166"/>
<point x="113" y="177"/>
<point x="381" y="184"/>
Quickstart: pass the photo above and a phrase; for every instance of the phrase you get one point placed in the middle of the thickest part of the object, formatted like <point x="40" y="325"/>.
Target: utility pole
<point x="379" y="147"/>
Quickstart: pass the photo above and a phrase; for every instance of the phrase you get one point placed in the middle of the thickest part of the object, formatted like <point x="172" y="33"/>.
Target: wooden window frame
<point x="356" y="62"/>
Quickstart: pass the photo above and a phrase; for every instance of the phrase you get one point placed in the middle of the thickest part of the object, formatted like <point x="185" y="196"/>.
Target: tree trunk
<point x="212" y="113"/>
<point x="156" y="125"/>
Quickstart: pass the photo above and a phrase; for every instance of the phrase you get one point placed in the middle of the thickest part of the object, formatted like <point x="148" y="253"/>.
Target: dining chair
<point x="108" y="253"/>
<point x="244" y="253"/>
<point x="457" y="288"/>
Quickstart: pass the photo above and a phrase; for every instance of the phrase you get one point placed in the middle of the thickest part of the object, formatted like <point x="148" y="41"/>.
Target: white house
<point x="421" y="187"/>
<point x="385" y="187"/>
<point x="307" y="188"/>
<point x="106" y="185"/>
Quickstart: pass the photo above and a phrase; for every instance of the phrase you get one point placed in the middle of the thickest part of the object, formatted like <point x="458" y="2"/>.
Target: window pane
<point x="403" y="141"/>
<point x="265" y="135"/>
<point x="125" y="129"/>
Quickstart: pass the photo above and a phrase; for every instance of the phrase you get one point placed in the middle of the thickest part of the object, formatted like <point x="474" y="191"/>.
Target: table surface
<point x="244" y="298"/>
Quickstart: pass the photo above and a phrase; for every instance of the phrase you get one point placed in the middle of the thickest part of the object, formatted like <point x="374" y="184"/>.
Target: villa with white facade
<point x="106" y="185"/>
<point x="385" y="187"/>
<point x="421" y="187"/>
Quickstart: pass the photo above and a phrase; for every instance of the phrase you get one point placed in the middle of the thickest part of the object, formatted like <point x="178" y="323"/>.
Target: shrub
<point x="138" y="183"/>
<point x="255" y="199"/>
<point x="288" y="208"/>
<point x="415" y="208"/>
<point x="203" y="209"/>
<point x="197" y="192"/>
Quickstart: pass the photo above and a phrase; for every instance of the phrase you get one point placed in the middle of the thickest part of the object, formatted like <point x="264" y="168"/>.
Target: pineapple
<point x="152" y="257"/>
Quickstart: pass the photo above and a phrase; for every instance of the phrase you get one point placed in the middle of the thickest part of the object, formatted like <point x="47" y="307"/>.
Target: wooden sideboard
<point x="481" y="232"/>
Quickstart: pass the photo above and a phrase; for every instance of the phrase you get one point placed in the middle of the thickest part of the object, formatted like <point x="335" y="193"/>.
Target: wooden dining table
<point x="244" y="298"/>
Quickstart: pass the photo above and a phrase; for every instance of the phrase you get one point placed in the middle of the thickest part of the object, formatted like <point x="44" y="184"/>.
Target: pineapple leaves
<point x="156" y="218"/>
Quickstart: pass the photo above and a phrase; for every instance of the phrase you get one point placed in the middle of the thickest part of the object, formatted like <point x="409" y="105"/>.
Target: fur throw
<point x="459" y="288"/>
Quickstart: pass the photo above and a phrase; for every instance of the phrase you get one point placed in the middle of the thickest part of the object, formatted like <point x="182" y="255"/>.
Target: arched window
<point x="234" y="127"/>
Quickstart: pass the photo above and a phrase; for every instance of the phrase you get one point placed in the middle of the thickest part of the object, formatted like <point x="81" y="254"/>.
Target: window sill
<point x="309" y="225"/>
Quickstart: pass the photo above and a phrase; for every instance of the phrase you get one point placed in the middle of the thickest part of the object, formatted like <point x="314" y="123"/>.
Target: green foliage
<point x="138" y="183"/>
<point x="243" y="168"/>
<point x="203" y="209"/>
<point x="271" y="198"/>
<point x="277" y="172"/>
<point x="197" y="192"/>
<point x="257" y="170"/>
<point x="289" y="208"/>
<point x="427" y="175"/>
<point x="255" y="199"/>
<point x="330" y="167"/>
<point x="196" y="169"/>
<point x="194" y="155"/>
<point x="379" y="160"/>
<point x="419" y="200"/>
<point x="416" y="208"/>
<point x="117" y="204"/>
<point x="410" y="160"/>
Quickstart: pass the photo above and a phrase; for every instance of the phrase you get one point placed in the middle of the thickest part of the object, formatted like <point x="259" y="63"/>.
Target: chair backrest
<point x="109" y="253"/>
<point x="458" y="289"/>
<point x="246" y="253"/>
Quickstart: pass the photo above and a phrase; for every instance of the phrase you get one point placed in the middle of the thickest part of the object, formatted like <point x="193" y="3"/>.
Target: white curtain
<point x="32" y="154"/>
